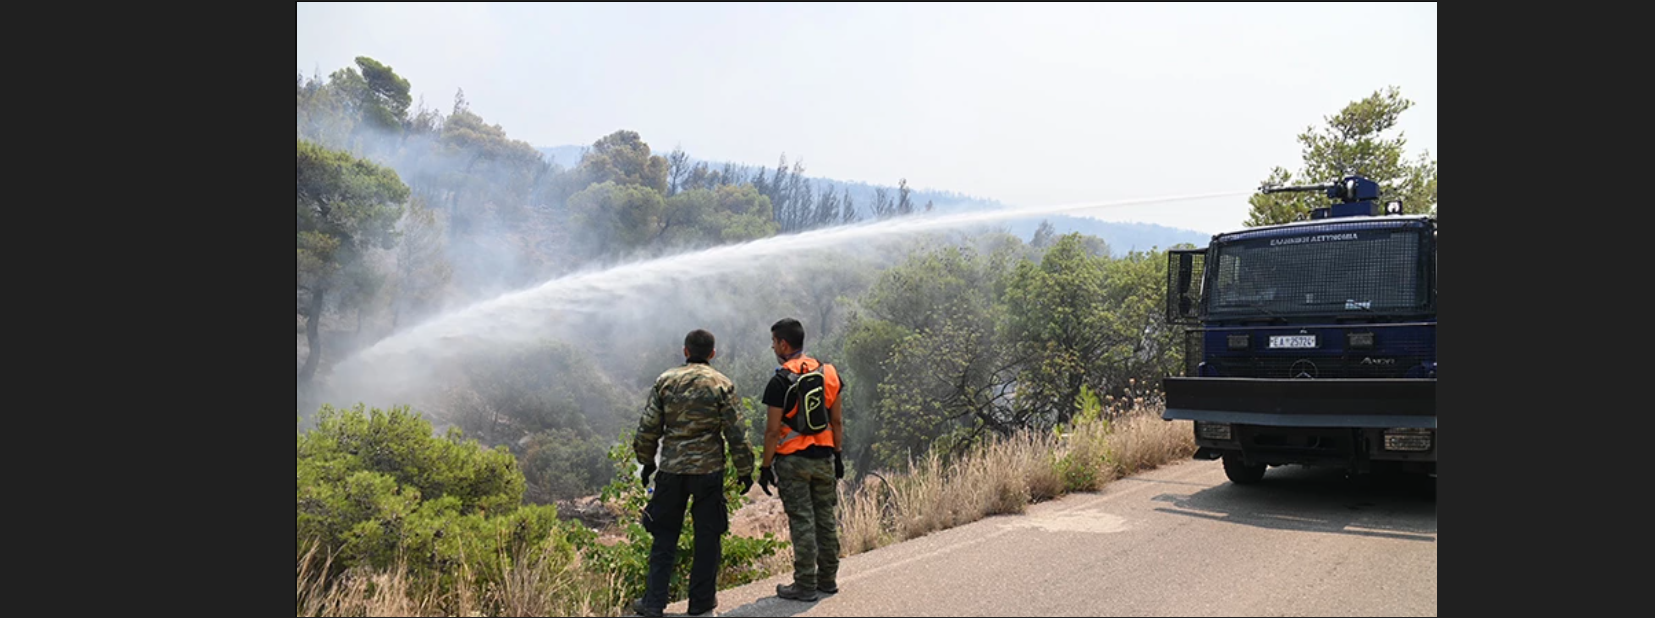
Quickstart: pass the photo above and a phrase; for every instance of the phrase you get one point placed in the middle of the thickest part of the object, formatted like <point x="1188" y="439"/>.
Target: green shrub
<point x="629" y="560"/>
<point x="378" y="490"/>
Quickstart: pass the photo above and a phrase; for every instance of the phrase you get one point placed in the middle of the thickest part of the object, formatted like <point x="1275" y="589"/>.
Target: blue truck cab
<point x="1311" y="342"/>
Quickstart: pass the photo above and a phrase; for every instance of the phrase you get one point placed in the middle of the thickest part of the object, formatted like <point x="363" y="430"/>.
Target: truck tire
<point x="1240" y="472"/>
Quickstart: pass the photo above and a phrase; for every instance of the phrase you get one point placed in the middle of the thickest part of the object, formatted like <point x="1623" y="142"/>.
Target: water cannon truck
<point x="1311" y="342"/>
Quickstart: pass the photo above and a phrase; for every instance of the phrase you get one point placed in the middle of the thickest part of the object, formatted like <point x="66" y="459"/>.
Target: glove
<point x="838" y="466"/>
<point x="649" y="470"/>
<point x="765" y="480"/>
<point x="746" y="484"/>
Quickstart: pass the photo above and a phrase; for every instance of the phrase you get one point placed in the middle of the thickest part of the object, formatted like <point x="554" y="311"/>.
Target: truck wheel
<point x="1240" y="473"/>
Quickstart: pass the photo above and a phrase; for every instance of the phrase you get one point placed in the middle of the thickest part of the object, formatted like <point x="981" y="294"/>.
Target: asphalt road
<point x="1176" y="541"/>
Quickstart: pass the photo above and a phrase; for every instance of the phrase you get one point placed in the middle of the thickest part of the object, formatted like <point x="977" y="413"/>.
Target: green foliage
<point x="1146" y="348"/>
<point x="399" y="444"/>
<point x="622" y="216"/>
<point x="1089" y="406"/>
<point x="617" y="218"/>
<point x="629" y="559"/>
<point x="1351" y="143"/>
<point x="930" y="327"/>
<point x="1080" y="465"/>
<point x="346" y="205"/>
<point x="1078" y="474"/>
<point x="960" y="344"/>
<point x="519" y="390"/>
<point x="549" y="403"/>
<point x="486" y="175"/>
<point x="623" y="158"/>
<point x="377" y="489"/>
<point x="1059" y="314"/>
<point x="740" y="215"/>
<point x="561" y="464"/>
<point x="754" y="417"/>
<point x="728" y="214"/>
<point x="385" y="97"/>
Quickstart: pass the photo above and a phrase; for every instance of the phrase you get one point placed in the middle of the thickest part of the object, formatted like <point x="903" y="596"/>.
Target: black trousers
<point x="664" y="518"/>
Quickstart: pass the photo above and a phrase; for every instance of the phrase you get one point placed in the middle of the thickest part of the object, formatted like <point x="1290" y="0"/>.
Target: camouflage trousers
<point x="809" y="495"/>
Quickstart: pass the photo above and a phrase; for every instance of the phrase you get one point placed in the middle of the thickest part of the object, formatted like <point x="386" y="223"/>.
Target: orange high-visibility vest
<point x="792" y="441"/>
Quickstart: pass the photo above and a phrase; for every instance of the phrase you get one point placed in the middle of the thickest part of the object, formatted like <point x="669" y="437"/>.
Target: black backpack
<point x="809" y="390"/>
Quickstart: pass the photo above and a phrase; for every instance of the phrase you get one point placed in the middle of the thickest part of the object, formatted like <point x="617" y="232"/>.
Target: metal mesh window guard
<point x="1324" y="269"/>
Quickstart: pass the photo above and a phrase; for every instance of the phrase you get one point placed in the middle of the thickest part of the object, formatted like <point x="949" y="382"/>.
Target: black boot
<point x="795" y="592"/>
<point x="639" y="609"/>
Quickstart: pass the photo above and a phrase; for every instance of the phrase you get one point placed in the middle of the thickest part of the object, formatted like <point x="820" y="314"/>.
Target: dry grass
<point x="1000" y="477"/>
<point x="355" y="593"/>
<point x="860" y="515"/>
<point x="1143" y="441"/>
<point x="1005" y="476"/>
<point x="547" y="585"/>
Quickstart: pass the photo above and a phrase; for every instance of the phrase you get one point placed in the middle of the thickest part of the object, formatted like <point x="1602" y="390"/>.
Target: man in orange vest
<point x="807" y="465"/>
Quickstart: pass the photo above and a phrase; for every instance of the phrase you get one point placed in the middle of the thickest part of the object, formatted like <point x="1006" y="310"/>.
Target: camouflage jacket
<point x="692" y="409"/>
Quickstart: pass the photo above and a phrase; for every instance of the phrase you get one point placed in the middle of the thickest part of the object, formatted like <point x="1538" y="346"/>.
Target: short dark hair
<point x="791" y="331"/>
<point x="700" y="344"/>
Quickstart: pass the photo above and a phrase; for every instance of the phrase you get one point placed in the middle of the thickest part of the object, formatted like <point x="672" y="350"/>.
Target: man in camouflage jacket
<point x="693" y="413"/>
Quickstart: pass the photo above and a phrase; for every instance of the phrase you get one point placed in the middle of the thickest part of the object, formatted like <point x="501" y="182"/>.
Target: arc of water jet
<point x="514" y="315"/>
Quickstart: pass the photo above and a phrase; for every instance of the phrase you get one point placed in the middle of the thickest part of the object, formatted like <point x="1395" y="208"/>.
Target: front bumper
<point x="1312" y="422"/>
<point x="1356" y="403"/>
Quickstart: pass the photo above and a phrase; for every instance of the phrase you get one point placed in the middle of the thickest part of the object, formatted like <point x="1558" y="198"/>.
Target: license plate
<point x="1293" y="341"/>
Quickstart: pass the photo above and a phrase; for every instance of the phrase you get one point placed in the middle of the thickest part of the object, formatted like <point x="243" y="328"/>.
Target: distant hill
<point x="1122" y="237"/>
<point x="862" y="193"/>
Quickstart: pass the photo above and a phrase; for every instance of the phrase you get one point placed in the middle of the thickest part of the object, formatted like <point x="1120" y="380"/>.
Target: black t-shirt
<point x="775" y="394"/>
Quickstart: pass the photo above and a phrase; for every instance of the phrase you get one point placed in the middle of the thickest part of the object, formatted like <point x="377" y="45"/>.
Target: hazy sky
<point x="1025" y="103"/>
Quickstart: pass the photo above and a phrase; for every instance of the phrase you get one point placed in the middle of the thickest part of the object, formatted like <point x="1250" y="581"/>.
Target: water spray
<point x="525" y="314"/>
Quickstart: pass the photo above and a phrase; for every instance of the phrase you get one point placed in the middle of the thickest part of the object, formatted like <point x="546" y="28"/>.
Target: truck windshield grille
<point x="1321" y="271"/>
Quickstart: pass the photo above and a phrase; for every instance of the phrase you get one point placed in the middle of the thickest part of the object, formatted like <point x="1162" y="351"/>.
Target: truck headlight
<point x="1408" y="439"/>
<point x="1359" y="340"/>
<point x="1240" y="342"/>
<point x="1212" y="431"/>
